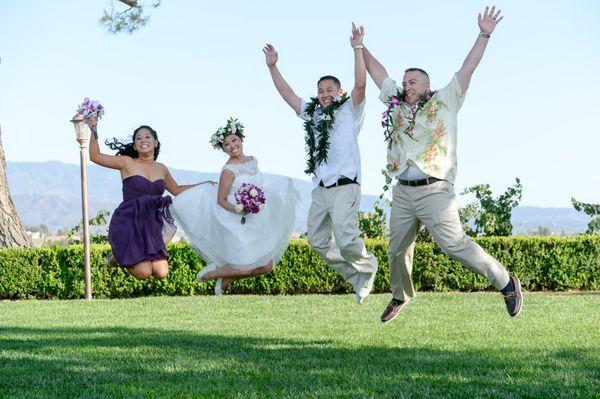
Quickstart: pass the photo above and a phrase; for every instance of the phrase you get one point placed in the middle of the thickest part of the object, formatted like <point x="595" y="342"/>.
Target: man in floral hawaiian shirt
<point x="420" y="130"/>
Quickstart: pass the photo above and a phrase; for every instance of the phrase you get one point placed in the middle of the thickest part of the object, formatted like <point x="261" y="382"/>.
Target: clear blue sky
<point x="531" y="110"/>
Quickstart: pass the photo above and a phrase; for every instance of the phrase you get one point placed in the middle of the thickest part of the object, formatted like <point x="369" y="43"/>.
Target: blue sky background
<point x="531" y="110"/>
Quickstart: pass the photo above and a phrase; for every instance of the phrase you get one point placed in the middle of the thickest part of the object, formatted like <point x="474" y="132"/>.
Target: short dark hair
<point x="418" y="70"/>
<point x="330" y="77"/>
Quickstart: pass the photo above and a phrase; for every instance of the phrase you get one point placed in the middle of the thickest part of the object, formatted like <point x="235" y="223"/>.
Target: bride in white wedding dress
<point x="233" y="243"/>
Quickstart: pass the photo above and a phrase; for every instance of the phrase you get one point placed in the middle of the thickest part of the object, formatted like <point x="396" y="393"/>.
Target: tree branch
<point x="130" y="3"/>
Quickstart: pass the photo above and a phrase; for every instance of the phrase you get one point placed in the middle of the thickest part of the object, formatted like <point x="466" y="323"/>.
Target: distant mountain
<point x="558" y="220"/>
<point x="50" y="193"/>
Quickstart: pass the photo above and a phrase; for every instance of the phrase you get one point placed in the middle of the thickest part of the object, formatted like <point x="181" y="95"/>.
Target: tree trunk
<point x="12" y="233"/>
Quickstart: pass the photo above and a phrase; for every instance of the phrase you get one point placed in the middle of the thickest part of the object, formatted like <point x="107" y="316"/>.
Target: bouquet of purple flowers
<point x="90" y="109"/>
<point x="249" y="199"/>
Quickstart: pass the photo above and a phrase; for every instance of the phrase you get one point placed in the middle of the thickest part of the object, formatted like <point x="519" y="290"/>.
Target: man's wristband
<point x="485" y="35"/>
<point x="360" y="46"/>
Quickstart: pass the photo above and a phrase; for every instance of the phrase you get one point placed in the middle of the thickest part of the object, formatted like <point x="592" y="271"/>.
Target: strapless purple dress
<point x="142" y="224"/>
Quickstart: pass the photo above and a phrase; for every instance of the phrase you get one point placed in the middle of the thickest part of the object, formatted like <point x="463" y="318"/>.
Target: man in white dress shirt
<point x="332" y="123"/>
<point x="421" y="130"/>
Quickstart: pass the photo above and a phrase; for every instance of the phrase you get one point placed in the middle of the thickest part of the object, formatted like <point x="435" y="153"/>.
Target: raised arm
<point x="108" y="161"/>
<point x="487" y="24"/>
<point x="282" y="86"/>
<point x="375" y="69"/>
<point x="175" y="188"/>
<point x="360" y="72"/>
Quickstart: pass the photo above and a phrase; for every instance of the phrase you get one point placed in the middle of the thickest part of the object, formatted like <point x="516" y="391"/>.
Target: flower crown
<point x="232" y="127"/>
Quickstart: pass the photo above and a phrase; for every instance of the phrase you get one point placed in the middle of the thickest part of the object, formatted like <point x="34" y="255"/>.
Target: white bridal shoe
<point x="207" y="269"/>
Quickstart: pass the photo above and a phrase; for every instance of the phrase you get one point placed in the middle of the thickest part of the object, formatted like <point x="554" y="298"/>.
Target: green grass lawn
<point x="442" y="345"/>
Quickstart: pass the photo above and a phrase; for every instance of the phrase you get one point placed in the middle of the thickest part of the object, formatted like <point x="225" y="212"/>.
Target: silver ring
<point x="494" y="18"/>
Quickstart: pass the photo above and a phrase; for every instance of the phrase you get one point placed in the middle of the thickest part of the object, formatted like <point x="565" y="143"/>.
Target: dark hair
<point x="329" y="77"/>
<point x="124" y="148"/>
<point x="418" y="70"/>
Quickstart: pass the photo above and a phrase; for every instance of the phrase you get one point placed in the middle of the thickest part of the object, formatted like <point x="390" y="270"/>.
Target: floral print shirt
<point x="431" y="143"/>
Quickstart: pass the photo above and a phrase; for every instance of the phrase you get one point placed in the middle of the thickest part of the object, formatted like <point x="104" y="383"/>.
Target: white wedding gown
<point x="218" y="235"/>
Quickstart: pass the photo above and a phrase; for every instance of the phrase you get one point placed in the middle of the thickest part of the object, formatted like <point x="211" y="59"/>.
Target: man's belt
<point x="420" y="182"/>
<point x="341" y="182"/>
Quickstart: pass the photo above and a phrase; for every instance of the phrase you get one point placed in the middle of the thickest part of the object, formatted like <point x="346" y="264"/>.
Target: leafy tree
<point x="493" y="218"/>
<point x="592" y="210"/>
<point x="129" y="20"/>
<point x="374" y="224"/>
<point x="99" y="220"/>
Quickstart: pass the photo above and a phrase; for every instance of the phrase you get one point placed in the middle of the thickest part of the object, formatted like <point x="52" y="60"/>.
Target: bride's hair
<point x="126" y="148"/>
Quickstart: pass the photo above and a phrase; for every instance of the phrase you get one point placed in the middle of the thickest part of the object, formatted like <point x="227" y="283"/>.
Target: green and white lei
<point x="317" y="152"/>
<point x="232" y="127"/>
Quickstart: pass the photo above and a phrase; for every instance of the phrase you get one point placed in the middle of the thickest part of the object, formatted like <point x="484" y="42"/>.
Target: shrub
<point x="542" y="263"/>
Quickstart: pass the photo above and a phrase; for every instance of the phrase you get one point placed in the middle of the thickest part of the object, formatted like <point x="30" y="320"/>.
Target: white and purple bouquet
<point x="90" y="109"/>
<point x="250" y="199"/>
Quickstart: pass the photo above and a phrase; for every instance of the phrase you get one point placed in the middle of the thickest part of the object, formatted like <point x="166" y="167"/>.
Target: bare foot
<point x="112" y="261"/>
<point x="226" y="282"/>
<point x="209" y="276"/>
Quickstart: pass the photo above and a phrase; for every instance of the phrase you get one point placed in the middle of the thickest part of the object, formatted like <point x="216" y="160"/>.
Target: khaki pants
<point x="434" y="205"/>
<point x="335" y="210"/>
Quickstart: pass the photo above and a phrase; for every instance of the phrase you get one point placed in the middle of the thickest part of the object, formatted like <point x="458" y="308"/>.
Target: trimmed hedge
<point x="542" y="263"/>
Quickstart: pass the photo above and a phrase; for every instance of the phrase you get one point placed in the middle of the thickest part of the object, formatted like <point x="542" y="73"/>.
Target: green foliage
<point x="128" y="20"/>
<point x="97" y="221"/>
<point x="592" y="210"/>
<point x="494" y="213"/>
<point x="316" y="153"/>
<point x="374" y="224"/>
<point x="387" y="188"/>
<point x="542" y="263"/>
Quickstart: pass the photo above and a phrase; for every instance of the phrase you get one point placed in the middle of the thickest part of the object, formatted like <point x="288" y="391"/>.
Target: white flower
<point x="253" y="193"/>
<point x="326" y="117"/>
<point x="337" y="99"/>
<point x="238" y="208"/>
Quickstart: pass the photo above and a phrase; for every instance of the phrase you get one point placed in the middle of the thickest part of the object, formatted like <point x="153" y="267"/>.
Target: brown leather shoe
<point x="514" y="299"/>
<point x="392" y="310"/>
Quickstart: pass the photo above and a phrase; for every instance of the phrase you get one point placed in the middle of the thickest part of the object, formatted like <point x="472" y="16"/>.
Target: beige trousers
<point x="335" y="210"/>
<point x="434" y="205"/>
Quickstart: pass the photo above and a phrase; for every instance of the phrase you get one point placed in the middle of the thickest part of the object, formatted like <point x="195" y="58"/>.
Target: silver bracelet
<point x="360" y="46"/>
<point x="486" y="35"/>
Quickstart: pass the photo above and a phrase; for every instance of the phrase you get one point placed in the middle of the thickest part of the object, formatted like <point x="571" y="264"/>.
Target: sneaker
<point x="363" y="288"/>
<point x="514" y="299"/>
<point x="207" y="269"/>
<point x="392" y="310"/>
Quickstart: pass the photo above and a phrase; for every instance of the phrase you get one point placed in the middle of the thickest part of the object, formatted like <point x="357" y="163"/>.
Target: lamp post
<point x="83" y="134"/>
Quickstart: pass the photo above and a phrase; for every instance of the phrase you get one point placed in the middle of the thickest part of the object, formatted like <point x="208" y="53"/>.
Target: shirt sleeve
<point x="358" y="111"/>
<point x="452" y="95"/>
<point x="388" y="88"/>
<point x="302" y="115"/>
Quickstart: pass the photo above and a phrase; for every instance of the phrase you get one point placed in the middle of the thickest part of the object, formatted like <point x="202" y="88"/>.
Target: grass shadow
<point x="130" y="362"/>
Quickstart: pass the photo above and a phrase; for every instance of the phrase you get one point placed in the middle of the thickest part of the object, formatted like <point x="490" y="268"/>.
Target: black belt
<point x="421" y="182"/>
<point x="341" y="182"/>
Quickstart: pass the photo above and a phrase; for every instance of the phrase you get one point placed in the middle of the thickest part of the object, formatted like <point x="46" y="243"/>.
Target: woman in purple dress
<point x="142" y="224"/>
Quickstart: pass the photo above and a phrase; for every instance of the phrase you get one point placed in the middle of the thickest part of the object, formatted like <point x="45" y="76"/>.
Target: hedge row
<point x="542" y="263"/>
